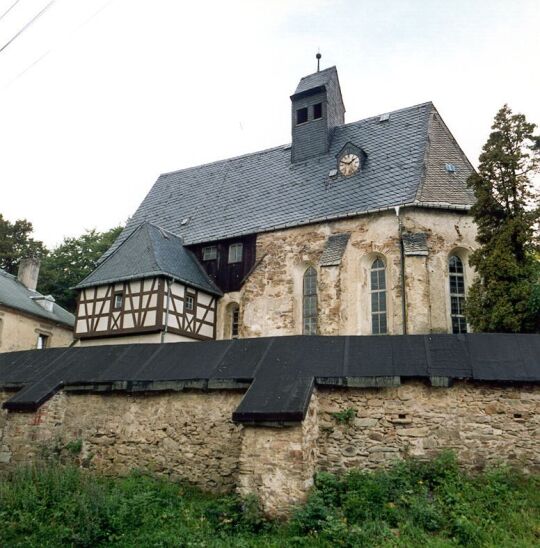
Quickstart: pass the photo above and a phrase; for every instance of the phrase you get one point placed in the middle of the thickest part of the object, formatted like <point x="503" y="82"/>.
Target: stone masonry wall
<point x="271" y="298"/>
<point x="184" y="435"/>
<point x="190" y="435"/>
<point x="482" y="424"/>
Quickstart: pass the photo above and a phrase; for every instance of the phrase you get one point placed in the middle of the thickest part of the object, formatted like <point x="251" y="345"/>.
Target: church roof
<point x="278" y="372"/>
<point x="150" y="251"/>
<point x="316" y="80"/>
<point x="264" y="191"/>
<point x="15" y="295"/>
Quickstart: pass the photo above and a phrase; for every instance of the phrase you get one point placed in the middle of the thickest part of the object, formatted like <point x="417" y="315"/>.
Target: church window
<point x="310" y="302"/>
<point x="457" y="295"/>
<point x="209" y="253"/>
<point x="302" y="115"/>
<point x="317" y="111"/>
<point x="235" y="253"/>
<point x="118" y="300"/>
<point x="378" y="298"/>
<point x="235" y="315"/>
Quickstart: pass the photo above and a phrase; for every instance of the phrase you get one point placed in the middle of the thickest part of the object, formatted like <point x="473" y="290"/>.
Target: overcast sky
<point x="98" y="97"/>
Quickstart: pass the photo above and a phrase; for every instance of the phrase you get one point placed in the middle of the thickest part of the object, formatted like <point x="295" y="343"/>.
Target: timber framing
<point x="143" y="310"/>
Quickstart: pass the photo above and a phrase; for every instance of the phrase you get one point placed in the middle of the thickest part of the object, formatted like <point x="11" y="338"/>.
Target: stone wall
<point x="189" y="435"/>
<point x="271" y="298"/>
<point x="481" y="423"/>
<point x="19" y="331"/>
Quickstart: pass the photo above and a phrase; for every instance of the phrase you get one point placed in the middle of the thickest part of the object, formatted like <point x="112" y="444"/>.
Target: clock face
<point x="349" y="164"/>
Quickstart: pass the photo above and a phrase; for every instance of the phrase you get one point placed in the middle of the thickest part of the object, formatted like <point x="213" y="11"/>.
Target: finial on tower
<point x="318" y="56"/>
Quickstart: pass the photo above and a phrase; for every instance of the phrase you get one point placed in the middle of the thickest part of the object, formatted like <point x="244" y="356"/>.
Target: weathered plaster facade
<point x="20" y="331"/>
<point x="190" y="435"/>
<point x="271" y="298"/>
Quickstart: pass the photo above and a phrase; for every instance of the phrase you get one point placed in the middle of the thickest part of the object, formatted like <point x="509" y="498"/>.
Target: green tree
<point x="505" y="295"/>
<point x="72" y="261"/>
<point x="17" y="243"/>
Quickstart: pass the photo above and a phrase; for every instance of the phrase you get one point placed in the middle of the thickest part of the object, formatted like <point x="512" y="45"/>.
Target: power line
<point x="35" y="18"/>
<point x="34" y="63"/>
<point x="9" y="9"/>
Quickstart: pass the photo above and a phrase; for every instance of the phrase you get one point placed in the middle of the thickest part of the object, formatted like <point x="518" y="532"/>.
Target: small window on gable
<point x="42" y="341"/>
<point x="317" y="111"/>
<point x="302" y="115"/>
<point x="118" y="301"/>
<point x="209" y="253"/>
<point x="189" y="303"/>
<point x="235" y="253"/>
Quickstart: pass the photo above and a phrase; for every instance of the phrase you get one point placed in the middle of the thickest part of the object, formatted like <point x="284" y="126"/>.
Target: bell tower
<point x="317" y="107"/>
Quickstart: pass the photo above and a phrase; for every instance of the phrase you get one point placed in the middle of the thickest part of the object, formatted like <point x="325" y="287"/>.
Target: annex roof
<point x="150" y="251"/>
<point x="17" y="296"/>
<point x="264" y="191"/>
<point x="278" y="372"/>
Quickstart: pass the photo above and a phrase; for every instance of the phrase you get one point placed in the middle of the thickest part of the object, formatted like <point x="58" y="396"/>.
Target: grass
<point x="432" y="504"/>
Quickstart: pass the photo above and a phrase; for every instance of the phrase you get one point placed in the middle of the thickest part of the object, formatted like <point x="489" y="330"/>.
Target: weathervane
<point x="318" y="56"/>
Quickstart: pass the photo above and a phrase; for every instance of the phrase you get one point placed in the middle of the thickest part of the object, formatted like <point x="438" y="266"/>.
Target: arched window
<point x="310" y="302"/>
<point x="235" y="324"/>
<point x="378" y="298"/>
<point x="457" y="294"/>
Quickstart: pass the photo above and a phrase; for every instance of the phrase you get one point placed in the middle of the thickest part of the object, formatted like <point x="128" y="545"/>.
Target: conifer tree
<point x="505" y="296"/>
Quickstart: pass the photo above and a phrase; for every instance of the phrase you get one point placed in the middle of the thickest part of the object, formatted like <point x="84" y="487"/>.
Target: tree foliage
<point x="16" y="243"/>
<point x="505" y="296"/>
<point x="71" y="261"/>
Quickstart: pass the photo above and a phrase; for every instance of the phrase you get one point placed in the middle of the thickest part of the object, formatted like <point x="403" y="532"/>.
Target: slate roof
<point x="334" y="248"/>
<point x="415" y="244"/>
<point x="316" y="80"/>
<point x="150" y="251"/>
<point x="263" y="191"/>
<point x="279" y="372"/>
<point x="16" y="295"/>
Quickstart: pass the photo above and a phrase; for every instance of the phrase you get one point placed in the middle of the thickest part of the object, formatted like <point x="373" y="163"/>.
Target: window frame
<point x="191" y="300"/>
<point x="212" y="249"/>
<point x="235" y="321"/>
<point x="116" y="295"/>
<point x="456" y="281"/>
<point x="232" y="256"/>
<point x="42" y="337"/>
<point x="303" y="110"/>
<point x="378" y="266"/>
<point x="310" y="320"/>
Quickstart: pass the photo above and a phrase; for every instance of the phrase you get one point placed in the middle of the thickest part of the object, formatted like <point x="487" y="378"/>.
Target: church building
<point x="359" y="228"/>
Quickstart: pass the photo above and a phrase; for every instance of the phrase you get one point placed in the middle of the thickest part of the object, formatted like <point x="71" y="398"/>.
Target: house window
<point x="235" y="253"/>
<point x="189" y="302"/>
<point x="118" y="300"/>
<point x="209" y="253"/>
<point x="302" y="115"/>
<point x="317" y="111"/>
<point x="42" y="341"/>
<point x="235" y="324"/>
<point x="378" y="298"/>
<point x="310" y="302"/>
<point x="457" y="295"/>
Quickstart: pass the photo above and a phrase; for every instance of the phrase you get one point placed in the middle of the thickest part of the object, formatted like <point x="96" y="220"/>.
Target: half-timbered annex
<point x="358" y="228"/>
<point x="150" y="289"/>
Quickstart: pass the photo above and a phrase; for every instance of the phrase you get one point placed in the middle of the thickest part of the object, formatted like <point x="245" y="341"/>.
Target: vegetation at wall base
<point x="505" y="296"/>
<point x="414" y="503"/>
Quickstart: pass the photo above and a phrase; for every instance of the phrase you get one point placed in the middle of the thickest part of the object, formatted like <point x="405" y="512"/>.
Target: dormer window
<point x="317" y="111"/>
<point x="235" y="253"/>
<point x="209" y="253"/>
<point x="301" y="115"/>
